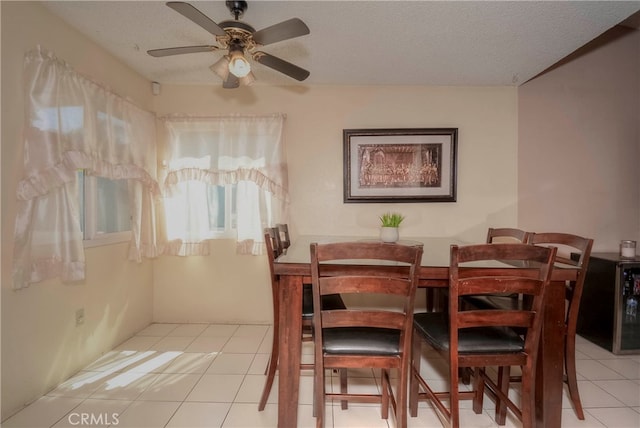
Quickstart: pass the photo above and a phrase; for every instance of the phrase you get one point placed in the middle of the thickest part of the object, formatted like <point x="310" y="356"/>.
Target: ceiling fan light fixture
<point x="248" y="79"/>
<point x="238" y="64"/>
<point x="221" y="67"/>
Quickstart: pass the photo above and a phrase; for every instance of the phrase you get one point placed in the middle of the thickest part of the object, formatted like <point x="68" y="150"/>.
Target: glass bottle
<point x="631" y="310"/>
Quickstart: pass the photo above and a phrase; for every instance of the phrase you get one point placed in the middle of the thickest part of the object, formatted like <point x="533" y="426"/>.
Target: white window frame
<point x="229" y="231"/>
<point x="91" y="236"/>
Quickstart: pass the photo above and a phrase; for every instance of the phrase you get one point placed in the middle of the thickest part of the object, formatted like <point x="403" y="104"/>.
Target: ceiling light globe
<point x="239" y="66"/>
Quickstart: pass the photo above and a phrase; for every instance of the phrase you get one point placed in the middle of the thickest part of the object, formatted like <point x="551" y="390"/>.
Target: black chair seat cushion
<point x="434" y="328"/>
<point x="361" y="341"/>
<point x="330" y="301"/>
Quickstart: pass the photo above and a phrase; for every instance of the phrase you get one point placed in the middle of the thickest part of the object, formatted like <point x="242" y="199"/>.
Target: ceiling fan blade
<point x="182" y="50"/>
<point x="190" y="12"/>
<point x="231" y="82"/>
<point x="289" y="29"/>
<point x="281" y="65"/>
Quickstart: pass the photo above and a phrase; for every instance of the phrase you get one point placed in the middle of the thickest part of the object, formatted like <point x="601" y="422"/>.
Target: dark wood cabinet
<point x="607" y="316"/>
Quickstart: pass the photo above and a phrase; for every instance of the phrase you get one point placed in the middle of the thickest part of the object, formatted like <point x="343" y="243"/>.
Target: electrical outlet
<point x="80" y="316"/>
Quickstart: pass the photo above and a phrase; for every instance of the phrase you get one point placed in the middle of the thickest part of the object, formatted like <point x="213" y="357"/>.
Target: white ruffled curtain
<point x="73" y="123"/>
<point x="244" y="150"/>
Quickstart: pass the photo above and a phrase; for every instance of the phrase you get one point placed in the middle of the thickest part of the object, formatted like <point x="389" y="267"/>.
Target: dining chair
<point x="436" y="297"/>
<point x="576" y="251"/>
<point x="480" y="338"/>
<point x="274" y="250"/>
<point x="573" y="251"/>
<point x="275" y="241"/>
<point x="506" y="235"/>
<point x="283" y="230"/>
<point x="377" y="337"/>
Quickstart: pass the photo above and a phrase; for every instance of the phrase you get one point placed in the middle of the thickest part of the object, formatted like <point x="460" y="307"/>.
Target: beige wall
<point x="226" y="287"/>
<point x="579" y="144"/>
<point x="41" y="346"/>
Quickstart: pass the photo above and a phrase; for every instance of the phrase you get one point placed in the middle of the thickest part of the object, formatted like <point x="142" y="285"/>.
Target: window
<point x="76" y="124"/>
<point x="225" y="177"/>
<point x="223" y="216"/>
<point x="104" y="210"/>
<point x="198" y="210"/>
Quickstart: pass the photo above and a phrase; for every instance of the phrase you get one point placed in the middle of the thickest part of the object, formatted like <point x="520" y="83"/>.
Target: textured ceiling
<point x="360" y="42"/>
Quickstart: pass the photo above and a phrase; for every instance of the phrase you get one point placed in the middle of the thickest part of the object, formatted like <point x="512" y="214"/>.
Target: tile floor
<point x="211" y="375"/>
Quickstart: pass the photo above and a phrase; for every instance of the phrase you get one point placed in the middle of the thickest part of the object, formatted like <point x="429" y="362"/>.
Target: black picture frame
<point x="400" y="165"/>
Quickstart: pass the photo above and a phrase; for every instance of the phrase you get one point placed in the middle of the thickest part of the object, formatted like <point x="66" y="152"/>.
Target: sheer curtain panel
<point x="73" y="123"/>
<point x="223" y="174"/>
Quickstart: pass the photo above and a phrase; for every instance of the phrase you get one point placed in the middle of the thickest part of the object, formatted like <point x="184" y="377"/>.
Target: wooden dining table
<point x="293" y="269"/>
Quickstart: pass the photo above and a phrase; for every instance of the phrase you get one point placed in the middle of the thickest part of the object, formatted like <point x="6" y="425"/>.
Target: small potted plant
<point x="390" y="223"/>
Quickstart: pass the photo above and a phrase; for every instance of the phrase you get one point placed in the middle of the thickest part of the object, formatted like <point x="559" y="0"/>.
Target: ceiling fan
<point x="239" y="39"/>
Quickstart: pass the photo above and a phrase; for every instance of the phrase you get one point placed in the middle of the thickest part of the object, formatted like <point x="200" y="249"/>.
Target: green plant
<point x="391" y="219"/>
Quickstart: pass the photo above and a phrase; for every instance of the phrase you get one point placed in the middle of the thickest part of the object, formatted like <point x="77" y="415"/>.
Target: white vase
<point x="388" y="234"/>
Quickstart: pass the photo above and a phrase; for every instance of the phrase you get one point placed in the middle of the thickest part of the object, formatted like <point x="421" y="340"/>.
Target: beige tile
<point x="259" y="364"/>
<point x="245" y="415"/>
<point x="199" y="415"/>
<point x="138" y="343"/>
<point x="595" y="370"/>
<point x="627" y="391"/>
<point x="216" y="388"/>
<point x="157" y="329"/>
<point x="627" y="367"/>
<point x="617" y="418"/>
<point x="251" y="390"/>
<point x="173" y="343"/>
<point x="265" y="345"/>
<point x="119" y="360"/>
<point x="94" y="413"/>
<point x="593" y="396"/>
<point x="81" y="385"/>
<point x="570" y="420"/>
<point x="170" y="387"/>
<point x="253" y="331"/>
<point x="154" y="362"/>
<point x="147" y="414"/>
<point x="242" y="345"/>
<point x="44" y="412"/>
<point x="226" y="363"/>
<point x="188" y="330"/>
<point x="220" y="330"/>
<point x="592" y="350"/>
<point x="151" y="369"/>
<point x="124" y="386"/>
<point x="358" y="416"/>
<point x="191" y="362"/>
<point x="208" y="344"/>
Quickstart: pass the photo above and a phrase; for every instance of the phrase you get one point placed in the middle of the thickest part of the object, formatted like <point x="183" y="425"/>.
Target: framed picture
<point x="400" y="165"/>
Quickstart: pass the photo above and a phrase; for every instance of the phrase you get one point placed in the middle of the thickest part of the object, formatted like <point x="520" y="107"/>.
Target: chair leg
<point x="429" y="299"/>
<point x="384" y="407"/>
<point x="572" y="381"/>
<point x="478" y="387"/>
<point x="318" y="394"/>
<point x="465" y="375"/>
<point x="401" y="403"/>
<point x="503" y="384"/>
<point x="414" y="369"/>
<point x="344" y="404"/>
<point x="271" y="370"/>
<point x="527" y="403"/>
<point x="454" y="398"/>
